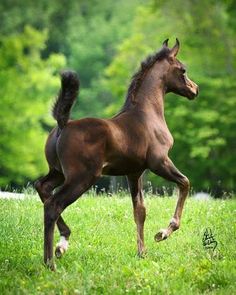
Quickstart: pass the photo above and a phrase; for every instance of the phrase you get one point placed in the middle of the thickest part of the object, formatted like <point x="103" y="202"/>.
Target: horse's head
<point x="175" y="77"/>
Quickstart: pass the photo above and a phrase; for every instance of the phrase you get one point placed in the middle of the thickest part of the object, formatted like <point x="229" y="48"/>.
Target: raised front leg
<point x="166" y="169"/>
<point x="135" y="184"/>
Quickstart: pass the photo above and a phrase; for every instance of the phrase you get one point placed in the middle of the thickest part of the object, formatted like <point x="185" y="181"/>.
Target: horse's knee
<point x="184" y="183"/>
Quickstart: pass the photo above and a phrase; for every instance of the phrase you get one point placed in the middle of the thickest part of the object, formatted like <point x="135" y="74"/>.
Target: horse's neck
<point x="150" y="98"/>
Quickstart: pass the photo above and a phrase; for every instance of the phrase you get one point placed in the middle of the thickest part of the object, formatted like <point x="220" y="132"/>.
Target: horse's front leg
<point x="166" y="169"/>
<point x="135" y="184"/>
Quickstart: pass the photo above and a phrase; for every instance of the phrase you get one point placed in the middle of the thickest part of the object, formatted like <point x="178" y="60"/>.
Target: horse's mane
<point x="138" y="77"/>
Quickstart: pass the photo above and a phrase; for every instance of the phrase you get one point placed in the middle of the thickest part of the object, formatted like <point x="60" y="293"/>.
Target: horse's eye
<point x="183" y="70"/>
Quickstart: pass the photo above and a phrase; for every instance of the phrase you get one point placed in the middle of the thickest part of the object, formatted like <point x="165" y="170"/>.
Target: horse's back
<point x="107" y="145"/>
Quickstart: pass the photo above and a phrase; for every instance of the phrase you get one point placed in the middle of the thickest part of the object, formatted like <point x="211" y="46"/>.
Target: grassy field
<point x="102" y="255"/>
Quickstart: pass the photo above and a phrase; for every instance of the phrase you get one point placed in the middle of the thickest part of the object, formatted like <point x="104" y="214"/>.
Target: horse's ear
<point x="165" y="43"/>
<point x="174" y="51"/>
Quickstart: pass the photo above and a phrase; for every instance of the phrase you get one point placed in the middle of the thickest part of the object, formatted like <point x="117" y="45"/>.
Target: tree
<point x="27" y="82"/>
<point x="105" y="46"/>
<point x="203" y="129"/>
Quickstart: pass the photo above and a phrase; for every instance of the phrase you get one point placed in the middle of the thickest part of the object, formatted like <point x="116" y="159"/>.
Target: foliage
<point x="105" y="42"/>
<point x="92" y="48"/>
<point x="203" y="129"/>
<point x="101" y="257"/>
<point x="27" y="82"/>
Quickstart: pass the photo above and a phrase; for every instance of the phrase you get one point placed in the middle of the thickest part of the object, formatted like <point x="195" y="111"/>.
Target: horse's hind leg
<point x="166" y="169"/>
<point x="44" y="187"/>
<point x="69" y="192"/>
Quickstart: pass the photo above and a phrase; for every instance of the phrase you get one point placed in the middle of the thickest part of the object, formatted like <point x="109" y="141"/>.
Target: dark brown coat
<point x="137" y="138"/>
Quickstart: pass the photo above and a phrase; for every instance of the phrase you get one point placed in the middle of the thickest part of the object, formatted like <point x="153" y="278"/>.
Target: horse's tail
<point x="66" y="98"/>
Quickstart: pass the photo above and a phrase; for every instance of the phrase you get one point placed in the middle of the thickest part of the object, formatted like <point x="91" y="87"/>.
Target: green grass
<point x="102" y="255"/>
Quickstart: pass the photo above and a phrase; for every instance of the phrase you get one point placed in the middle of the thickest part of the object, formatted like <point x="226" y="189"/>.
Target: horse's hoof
<point x="61" y="247"/>
<point x="161" y="235"/>
<point x="59" y="252"/>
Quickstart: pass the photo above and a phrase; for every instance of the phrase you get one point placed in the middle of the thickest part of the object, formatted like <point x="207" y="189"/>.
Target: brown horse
<point x="137" y="138"/>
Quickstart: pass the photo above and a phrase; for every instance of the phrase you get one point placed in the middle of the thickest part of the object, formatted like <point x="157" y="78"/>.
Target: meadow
<point x="102" y="253"/>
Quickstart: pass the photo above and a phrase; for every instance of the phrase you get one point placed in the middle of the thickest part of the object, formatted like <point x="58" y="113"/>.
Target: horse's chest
<point x="163" y="137"/>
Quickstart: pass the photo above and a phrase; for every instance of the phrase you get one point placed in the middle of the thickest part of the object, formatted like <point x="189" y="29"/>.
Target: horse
<point x="78" y="152"/>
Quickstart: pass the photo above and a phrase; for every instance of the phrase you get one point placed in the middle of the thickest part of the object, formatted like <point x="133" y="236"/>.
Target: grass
<point x="102" y="255"/>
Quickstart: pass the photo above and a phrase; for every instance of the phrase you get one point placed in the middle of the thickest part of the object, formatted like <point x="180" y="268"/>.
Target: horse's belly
<point x="122" y="167"/>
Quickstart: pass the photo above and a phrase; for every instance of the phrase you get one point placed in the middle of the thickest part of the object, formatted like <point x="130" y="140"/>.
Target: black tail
<point x="66" y="97"/>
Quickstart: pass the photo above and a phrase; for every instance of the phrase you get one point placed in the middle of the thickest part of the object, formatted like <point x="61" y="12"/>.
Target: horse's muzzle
<point x="193" y="89"/>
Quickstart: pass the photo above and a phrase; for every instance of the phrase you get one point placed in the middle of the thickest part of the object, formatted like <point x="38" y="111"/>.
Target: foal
<point x="137" y="138"/>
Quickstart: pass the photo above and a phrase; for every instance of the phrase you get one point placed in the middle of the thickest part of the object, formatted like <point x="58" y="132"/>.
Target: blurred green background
<point x="105" y="41"/>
